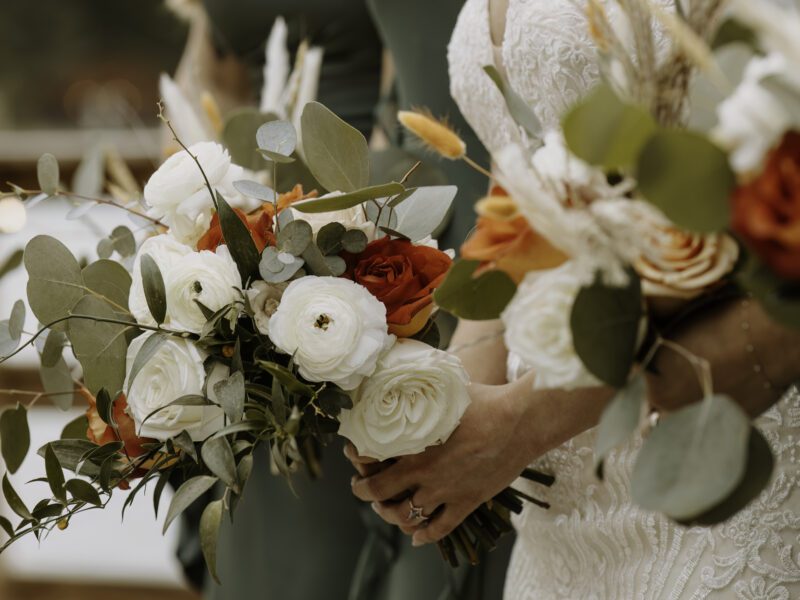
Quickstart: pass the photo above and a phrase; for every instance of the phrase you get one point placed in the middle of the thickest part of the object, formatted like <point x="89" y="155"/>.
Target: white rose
<point x="415" y="399"/>
<point x="177" y="192"/>
<point x="264" y="299"/>
<point x="210" y="278"/>
<point x="175" y="370"/>
<point x="166" y="251"/>
<point x="538" y="330"/>
<point x="753" y="120"/>
<point x="352" y="218"/>
<point x="334" y="328"/>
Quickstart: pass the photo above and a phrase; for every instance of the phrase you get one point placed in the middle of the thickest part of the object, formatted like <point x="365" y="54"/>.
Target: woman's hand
<point x="482" y="457"/>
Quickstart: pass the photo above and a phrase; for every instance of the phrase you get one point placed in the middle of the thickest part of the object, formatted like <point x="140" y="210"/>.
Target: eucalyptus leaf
<point x="123" y="241"/>
<point x="329" y="238"/>
<point x="336" y="265"/>
<point x="287" y="378"/>
<point x="75" y="429"/>
<point x="237" y="236"/>
<point x="336" y="153"/>
<point x="17" y="320"/>
<point x="80" y="210"/>
<point x="7" y="343"/>
<point x="605" y="323"/>
<point x="230" y="394"/>
<point x="606" y="132"/>
<point x="105" y="248"/>
<point x="57" y="383"/>
<point x="251" y="189"/>
<point x="295" y="237"/>
<point x="110" y="281"/>
<point x="99" y="346"/>
<point x="354" y="241"/>
<point x="13" y="500"/>
<point x="475" y="298"/>
<point x="344" y="201"/>
<point x="274" y="268"/>
<point x="148" y="350"/>
<point x="210" y="522"/>
<point x="15" y="437"/>
<point x="422" y="213"/>
<point x="278" y="137"/>
<point x="11" y="263"/>
<point x="83" y="491"/>
<point x="693" y="459"/>
<point x="760" y="465"/>
<point x="190" y="490"/>
<point x="275" y="157"/>
<point x="686" y="176"/>
<point x="239" y="136"/>
<point x="315" y="261"/>
<point x="55" y="284"/>
<point x="218" y="457"/>
<point x="47" y="173"/>
<point x="155" y="292"/>
<point x="183" y="441"/>
<point x="53" y="348"/>
<point x="55" y="475"/>
<point x="519" y="110"/>
<point x="619" y="420"/>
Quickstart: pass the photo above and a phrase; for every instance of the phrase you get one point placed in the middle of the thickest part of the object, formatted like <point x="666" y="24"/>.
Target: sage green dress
<point x="322" y="543"/>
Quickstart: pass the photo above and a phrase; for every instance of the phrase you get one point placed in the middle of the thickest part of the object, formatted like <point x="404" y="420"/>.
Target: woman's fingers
<point x="364" y="466"/>
<point x="440" y="526"/>
<point x="389" y="483"/>
<point x="408" y="514"/>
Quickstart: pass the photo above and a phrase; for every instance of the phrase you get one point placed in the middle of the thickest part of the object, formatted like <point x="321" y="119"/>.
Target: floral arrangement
<point x="604" y="234"/>
<point x="234" y="330"/>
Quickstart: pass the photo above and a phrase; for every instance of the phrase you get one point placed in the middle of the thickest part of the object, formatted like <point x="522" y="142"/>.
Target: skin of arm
<point x="508" y="426"/>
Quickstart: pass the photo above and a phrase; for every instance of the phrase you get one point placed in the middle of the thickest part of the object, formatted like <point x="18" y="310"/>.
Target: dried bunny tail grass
<point x="497" y="208"/>
<point x="436" y="134"/>
<point x="211" y="108"/>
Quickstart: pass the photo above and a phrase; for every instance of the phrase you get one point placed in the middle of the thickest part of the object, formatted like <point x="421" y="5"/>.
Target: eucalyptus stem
<point x="182" y="334"/>
<point x="477" y="167"/>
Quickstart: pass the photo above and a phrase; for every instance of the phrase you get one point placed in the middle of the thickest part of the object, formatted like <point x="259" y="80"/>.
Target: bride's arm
<point x="479" y="345"/>
<point x="508" y="426"/>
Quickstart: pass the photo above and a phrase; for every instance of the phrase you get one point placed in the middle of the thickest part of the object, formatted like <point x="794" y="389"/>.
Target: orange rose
<point x="403" y="276"/>
<point x="766" y="211"/>
<point x="101" y="433"/>
<point x="259" y="222"/>
<point x="503" y="239"/>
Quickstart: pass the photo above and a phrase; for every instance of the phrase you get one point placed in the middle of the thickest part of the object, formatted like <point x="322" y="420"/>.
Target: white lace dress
<point x="593" y="543"/>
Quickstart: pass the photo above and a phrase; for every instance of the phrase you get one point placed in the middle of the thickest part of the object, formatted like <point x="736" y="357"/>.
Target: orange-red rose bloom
<point x="402" y="276"/>
<point x="766" y="211"/>
<point x="259" y="224"/>
<point x="101" y="433"/>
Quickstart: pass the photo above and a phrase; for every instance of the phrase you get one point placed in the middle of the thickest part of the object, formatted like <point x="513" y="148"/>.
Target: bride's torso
<point x="594" y="543"/>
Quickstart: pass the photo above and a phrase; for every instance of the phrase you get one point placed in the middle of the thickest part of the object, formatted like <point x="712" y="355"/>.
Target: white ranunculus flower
<point x="210" y="278"/>
<point x="264" y="299"/>
<point x="334" y="328"/>
<point x="166" y="251"/>
<point x="753" y="120"/>
<point x="538" y="329"/>
<point x="177" y="192"/>
<point x="175" y="370"/>
<point x="351" y="218"/>
<point x="415" y="399"/>
<point x="567" y="174"/>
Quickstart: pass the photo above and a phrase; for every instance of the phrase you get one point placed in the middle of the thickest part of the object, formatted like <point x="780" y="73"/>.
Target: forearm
<point x="479" y="345"/>
<point x="751" y="358"/>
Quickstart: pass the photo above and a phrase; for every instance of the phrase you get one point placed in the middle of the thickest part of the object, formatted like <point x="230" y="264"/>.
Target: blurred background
<point x="78" y="78"/>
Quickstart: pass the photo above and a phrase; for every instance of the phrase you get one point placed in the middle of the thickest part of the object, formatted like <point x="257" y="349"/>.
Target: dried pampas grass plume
<point x="211" y="108"/>
<point x="435" y="134"/>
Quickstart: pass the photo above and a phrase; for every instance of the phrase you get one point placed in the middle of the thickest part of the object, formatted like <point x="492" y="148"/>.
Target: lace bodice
<point x="593" y="543"/>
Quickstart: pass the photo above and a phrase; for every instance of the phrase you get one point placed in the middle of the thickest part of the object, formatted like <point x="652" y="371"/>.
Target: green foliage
<point x="99" y="346"/>
<point x="332" y="401"/>
<point x="11" y="329"/>
<point x="123" y="241"/>
<point x="13" y="261"/>
<point x="277" y="140"/>
<point x="732" y="31"/>
<point x="287" y="378"/>
<point x="218" y="457"/>
<point x="55" y="475"/>
<point x="75" y="429"/>
<point x="295" y="237"/>
<point x="237" y="236"/>
<point x="155" y="292"/>
<point x="605" y="323"/>
<point x="329" y="238"/>
<point x="47" y="173"/>
<point x="15" y="437"/>
<point x="210" y="521"/>
<point x="57" y="382"/>
<point x="55" y="283"/>
<point x="619" y="420"/>
<point x="685" y="175"/>
<point x="239" y="136"/>
<point x="255" y="190"/>
<point x="760" y="464"/>
<point x="476" y="298"/>
<point x="316" y="262"/>
<point x="189" y="491"/>
<point x="354" y="241"/>
<point x="422" y="213"/>
<point x="277" y="267"/>
<point x="694" y="459"/>
<point x="336" y="153"/>
<point x="83" y="491"/>
<point x="13" y="500"/>
<point x="606" y="132"/>
<point x="111" y="281"/>
<point x="231" y="396"/>
<point x="344" y="201"/>
<point x="519" y="110"/>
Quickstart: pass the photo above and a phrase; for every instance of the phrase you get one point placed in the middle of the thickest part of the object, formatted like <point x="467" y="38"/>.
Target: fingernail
<point x="415" y="542"/>
<point x="353" y="480"/>
<point x="374" y="506"/>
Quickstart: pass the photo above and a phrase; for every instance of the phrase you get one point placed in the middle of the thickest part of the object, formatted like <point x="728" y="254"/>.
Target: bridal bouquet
<point x="228" y="332"/>
<point x="604" y="233"/>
